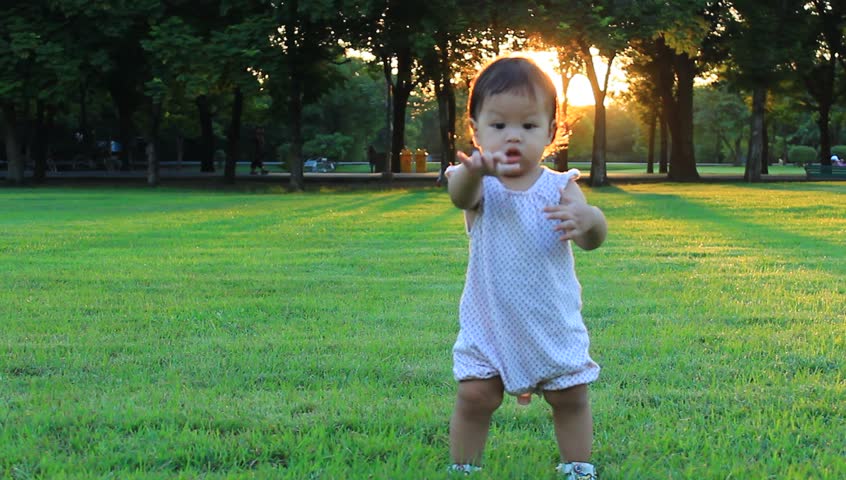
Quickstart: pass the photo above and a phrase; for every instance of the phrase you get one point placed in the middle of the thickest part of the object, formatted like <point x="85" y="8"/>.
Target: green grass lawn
<point x="177" y="333"/>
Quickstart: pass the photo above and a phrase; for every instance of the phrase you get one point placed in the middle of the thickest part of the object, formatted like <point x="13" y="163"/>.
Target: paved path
<point x="399" y="179"/>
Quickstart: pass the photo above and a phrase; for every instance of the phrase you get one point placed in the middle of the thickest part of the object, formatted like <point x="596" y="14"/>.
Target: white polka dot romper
<point x="520" y="312"/>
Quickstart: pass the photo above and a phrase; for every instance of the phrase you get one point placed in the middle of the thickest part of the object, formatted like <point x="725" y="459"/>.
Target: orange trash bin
<point x="405" y="161"/>
<point x="420" y="160"/>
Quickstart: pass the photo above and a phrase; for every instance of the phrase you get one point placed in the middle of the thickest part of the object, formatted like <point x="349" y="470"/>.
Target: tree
<point x="305" y="43"/>
<point x="760" y="70"/>
<point x="823" y="27"/>
<point x="112" y="36"/>
<point x="594" y="29"/>
<point x="458" y="44"/>
<point x="240" y="48"/>
<point x="398" y="44"/>
<point x="547" y="34"/>
<point x="720" y="116"/>
<point x="345" y="120"/>
<point x="34" y="68"/>
<point x="440" y="58"/>
<point x="645" y="99"/>
<point x="203" y="57"/>
<point x="680" y="38"/>
<point x="420" y="43"/>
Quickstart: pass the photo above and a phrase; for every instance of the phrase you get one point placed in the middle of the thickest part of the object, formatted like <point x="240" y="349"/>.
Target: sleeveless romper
<point x="520" y="312"/>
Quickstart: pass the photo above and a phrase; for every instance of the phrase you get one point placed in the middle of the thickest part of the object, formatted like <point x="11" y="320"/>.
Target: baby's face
<point x="516" y="125"/>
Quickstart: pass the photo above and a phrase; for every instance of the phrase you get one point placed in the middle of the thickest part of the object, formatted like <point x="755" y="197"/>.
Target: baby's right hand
<point x="494" y="164"/>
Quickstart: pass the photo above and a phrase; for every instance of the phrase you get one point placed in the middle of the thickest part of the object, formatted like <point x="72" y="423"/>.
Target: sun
<point x="579" y="92"/>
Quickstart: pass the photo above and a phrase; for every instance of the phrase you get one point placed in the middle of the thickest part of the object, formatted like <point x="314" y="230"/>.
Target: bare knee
<point x="572" y="399"/>
<point x="479" y="397"/>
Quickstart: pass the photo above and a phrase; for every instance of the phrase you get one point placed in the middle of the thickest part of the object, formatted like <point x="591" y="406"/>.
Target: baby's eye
<point x="529" y="126"/>
<point x="498" y="126"/>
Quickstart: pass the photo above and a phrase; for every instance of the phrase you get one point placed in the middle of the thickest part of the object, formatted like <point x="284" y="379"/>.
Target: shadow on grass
<point x="680" y="208"/>
<point x="167" y="215"/>
<point x="822" y="187"/>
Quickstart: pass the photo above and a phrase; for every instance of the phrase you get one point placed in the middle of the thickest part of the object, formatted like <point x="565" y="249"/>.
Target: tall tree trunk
<point x="295" y="118"/>
<point x="233" y="152"/>
<point x="752" y="172"/>
<point x="446" y="121"/>
<point x="562" y="159"/>
<point x="206" y="134"/>
<point x="683" y="162"/>
<point x="765" y="150"/>
<point x="598" y="172"/>
<point x="40" y="145"/>
<point x="49" y="127"/>
<point x="664" y="139"/>
<point x="446" y="107"/>
<point x="293" y="43"/>
<point x="562" y="155"/>
<point x="398" y="132"/>
<point x="14" y="159"/>
<point x="718" y="145"/>
<point x="387" y="172"/>
<point x="824" y="114"/>
<point x="152" y="149"/>
<point x="402" y="91"/>
<point x="820" y="83"/>
<point x="738" y="154"/>
<point x="675" y="83"/>
<point x="650" y="155"/>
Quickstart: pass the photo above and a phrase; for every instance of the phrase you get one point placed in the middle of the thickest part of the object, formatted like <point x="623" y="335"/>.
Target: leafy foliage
<point x="721" y="119"/>
<point x="801" y="155"/>
<point x="73" y="57"/>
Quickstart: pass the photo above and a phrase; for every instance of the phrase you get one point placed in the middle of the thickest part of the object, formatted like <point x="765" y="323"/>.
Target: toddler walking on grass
<point x="520" y="314"/>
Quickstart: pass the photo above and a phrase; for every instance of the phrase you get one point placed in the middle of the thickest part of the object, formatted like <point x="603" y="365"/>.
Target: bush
<point x="333" y="146"/>
<point x="801" y="155"/>
<point x="839" y="150"/>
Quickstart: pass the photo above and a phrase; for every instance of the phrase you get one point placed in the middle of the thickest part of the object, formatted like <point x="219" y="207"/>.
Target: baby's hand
<point x="574" y="214"/>
<point x="494" y="164"/>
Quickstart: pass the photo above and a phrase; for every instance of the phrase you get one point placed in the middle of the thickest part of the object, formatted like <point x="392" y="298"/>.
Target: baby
<point x="520" y="313"/>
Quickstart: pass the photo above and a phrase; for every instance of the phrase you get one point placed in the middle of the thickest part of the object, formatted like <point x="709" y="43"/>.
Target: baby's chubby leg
<point x="468" y="428"/>
<point x="573" y="422"/>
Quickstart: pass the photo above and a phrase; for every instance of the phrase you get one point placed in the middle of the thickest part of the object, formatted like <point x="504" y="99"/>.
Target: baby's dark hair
<point x="512" y="74"/>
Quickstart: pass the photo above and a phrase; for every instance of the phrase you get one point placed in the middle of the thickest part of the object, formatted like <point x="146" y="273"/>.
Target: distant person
<point x="258" y="153"/>
<point x="115" y="148"/>
<point x="521" y="328"/>
<point x="836" y="161"/>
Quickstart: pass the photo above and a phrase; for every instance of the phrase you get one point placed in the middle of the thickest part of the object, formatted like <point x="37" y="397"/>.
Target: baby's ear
<point x="553" y="129"/>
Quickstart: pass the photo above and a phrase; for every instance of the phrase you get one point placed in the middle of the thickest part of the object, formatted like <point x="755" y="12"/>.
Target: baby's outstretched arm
<point x="579" y="221"/>
<point x="465" y="181"/>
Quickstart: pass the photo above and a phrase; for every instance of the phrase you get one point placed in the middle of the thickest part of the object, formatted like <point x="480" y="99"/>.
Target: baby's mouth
<point x="513" y="155"/>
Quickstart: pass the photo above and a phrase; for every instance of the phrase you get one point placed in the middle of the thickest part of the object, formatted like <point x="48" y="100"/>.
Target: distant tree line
<point x="197" y="71"/>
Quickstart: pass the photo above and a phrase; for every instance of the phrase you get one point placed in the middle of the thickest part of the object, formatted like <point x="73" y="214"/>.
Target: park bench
<point x="815" y="171"/>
